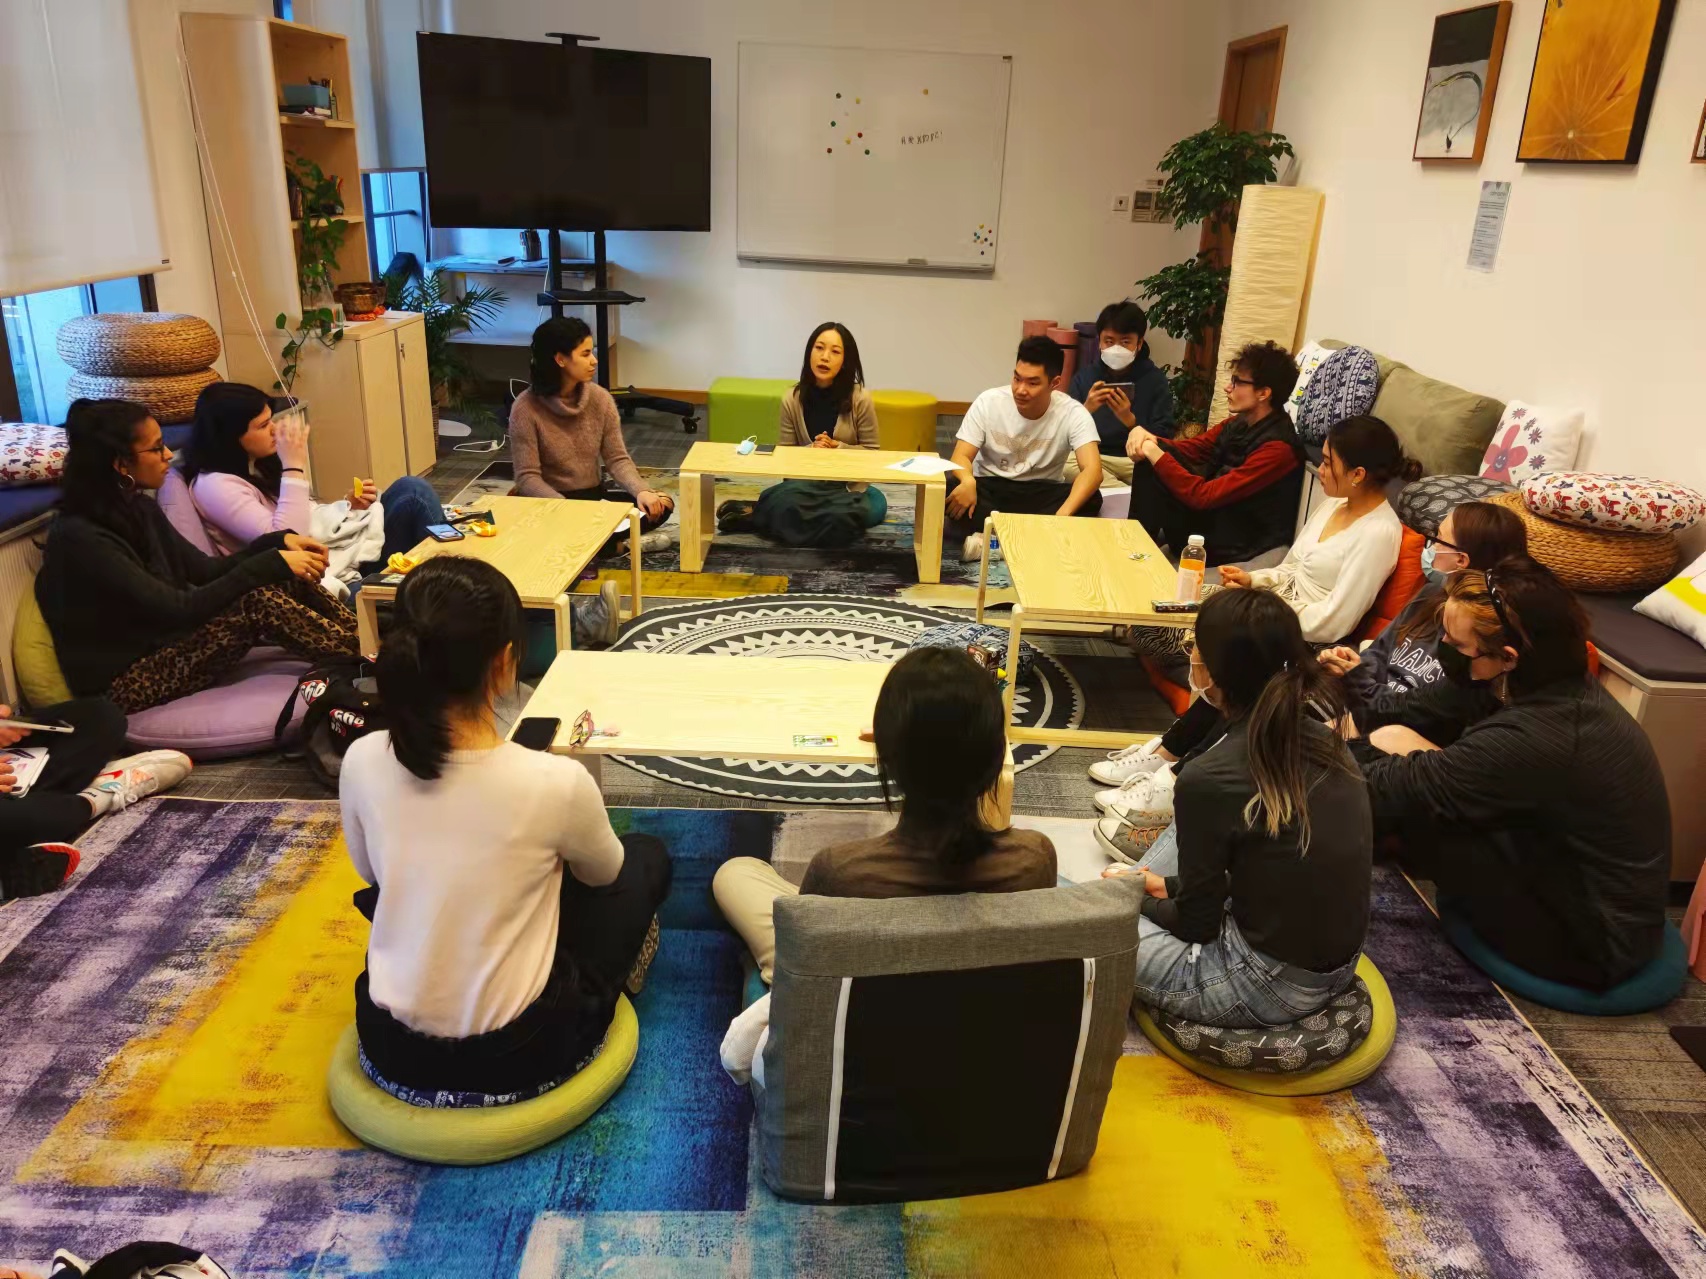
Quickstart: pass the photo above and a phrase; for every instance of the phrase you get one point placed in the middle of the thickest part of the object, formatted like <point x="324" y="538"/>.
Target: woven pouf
<point x="169" y="399"/>
<point x="480" y="1134"/>
<point x="1298" y="1073"/>
<point x="1589" y="560"/>
<point x="138" y="344"/>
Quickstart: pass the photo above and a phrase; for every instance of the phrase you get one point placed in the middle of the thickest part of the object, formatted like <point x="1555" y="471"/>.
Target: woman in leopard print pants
<point x="138" y="612"/>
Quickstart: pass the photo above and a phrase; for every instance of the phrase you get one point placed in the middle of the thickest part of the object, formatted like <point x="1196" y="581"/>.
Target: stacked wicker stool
<point x="158" y="359"/>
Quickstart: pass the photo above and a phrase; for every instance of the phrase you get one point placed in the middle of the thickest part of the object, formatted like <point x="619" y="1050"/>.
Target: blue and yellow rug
<point x="167" y="1023"/>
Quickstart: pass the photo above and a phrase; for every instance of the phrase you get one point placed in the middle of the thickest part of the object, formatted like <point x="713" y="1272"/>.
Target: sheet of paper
<point x="1489" y="225"/>
<point x="923" y="465"/>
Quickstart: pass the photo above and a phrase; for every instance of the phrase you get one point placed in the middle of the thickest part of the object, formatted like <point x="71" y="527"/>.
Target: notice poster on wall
<point x="1489" y="225"/>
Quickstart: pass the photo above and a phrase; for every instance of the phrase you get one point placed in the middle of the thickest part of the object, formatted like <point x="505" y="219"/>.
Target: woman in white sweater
<point x="507" y="914"/>
<point x="1331" y="577"/>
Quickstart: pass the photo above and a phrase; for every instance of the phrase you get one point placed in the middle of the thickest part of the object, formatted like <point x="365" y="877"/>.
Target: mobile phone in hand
<point x="536" y="732"/>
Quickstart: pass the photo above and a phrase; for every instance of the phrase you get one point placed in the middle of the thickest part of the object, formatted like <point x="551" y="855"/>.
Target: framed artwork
<point x="1700" y="139"/>
<point x="1464" y="58"/>
<point x="1595" y="69"/>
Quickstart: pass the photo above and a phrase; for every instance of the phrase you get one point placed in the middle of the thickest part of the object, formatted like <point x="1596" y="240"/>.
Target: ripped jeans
<point x="1227" y="981"/>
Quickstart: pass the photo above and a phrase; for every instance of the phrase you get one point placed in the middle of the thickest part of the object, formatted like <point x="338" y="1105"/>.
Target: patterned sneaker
<point x="125" y="781"/>
<point x="38" y="869"/>
<point x="1121" y="766"/>
<point x="1127" y="842"/>
<point x="596" y="622"/>
<point x="648" y="951"/>
<point x="1148" y="793"/>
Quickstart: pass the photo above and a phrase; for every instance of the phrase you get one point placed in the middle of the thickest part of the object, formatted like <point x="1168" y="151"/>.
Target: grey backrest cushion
<point x="822" y="942"/>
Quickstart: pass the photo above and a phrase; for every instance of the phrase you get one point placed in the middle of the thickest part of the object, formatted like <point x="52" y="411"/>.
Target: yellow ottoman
<point x="906" y="420"/>
<point x="482" y="1135"/>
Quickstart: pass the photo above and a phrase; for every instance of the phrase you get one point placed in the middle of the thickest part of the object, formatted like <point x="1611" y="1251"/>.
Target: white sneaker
<point x="1148" y="793"/>
<point x="135" y="777"/>
<point x="973" y="549"/>
<point x="1121" y="766"/>
<point x="657" y="540"/>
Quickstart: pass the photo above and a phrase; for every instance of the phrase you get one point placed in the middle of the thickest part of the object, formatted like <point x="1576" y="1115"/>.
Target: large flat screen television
<point x="525" y="134"/>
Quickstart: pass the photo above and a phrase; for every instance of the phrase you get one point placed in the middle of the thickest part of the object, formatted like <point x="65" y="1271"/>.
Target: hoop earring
<point x="126" y="483"/>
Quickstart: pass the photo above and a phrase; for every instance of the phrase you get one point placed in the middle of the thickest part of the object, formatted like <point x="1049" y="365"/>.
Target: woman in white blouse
<point x="1331" y="577"/>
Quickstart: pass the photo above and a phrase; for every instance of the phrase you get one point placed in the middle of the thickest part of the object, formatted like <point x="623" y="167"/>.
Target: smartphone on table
<point x="536" y="732"/>
<point x="764" y="450"/>
<point x="444" y="533"/>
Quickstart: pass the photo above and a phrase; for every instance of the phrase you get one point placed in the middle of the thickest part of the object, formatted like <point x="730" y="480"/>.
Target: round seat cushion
<point x="137" y="343"/>
<point x="1424" y="504"/>
<point x="1654" y="986"/>
<point x="1340" y="1046"/>
<point x="479" y="1135"/>
<point x="1588" y="559"/>
<point x="169" y="397"/>
<point x="1613" y="503"/>
<point x="237" y="716"/>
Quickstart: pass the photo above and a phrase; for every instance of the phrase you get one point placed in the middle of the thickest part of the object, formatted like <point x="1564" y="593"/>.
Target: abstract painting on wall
<point x="1463" y="74"/>
<point x="1594" y="74"/>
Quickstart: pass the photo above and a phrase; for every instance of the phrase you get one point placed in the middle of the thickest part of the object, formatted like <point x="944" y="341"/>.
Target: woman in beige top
<point x="828" y="408"/>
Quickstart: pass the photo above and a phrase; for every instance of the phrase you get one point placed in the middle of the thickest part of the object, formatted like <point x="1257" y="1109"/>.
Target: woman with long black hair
<point x="940" y="733"/>
<point x="138" y="613"/>
<point x="828" y="408"/>
<point x="1258" y="894"/>
<point x="499" y="947"/>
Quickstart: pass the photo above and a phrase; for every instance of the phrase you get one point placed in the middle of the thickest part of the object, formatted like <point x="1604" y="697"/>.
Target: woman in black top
<point x="1258" y="894"/>
<point x="138" y="613"/>
<point x="1545" y="817"/>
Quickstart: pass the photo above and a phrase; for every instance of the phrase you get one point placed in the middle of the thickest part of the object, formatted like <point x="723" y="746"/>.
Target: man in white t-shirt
<point x="1012" y="446"/>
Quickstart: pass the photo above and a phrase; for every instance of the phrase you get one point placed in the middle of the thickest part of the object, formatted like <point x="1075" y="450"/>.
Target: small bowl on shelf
<point x="361" y="299"/>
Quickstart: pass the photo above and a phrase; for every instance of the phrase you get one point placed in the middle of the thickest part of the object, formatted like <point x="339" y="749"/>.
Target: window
<point x="396" y="216"/>
<point x="32" y="376"/>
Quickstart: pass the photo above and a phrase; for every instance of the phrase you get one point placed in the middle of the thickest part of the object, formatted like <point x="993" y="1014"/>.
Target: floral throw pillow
<point x="1613" y="503"/>
<point x="1531" y="440"/>
<point x="31" y="453"/>
<point x="1309" y="359"/>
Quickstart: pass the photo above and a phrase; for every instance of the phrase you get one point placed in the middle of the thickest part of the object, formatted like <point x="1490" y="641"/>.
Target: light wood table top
<point x="713" y="706"/>
<point x="1081" y="570"/>
<point x="796" y="462"/>
<point x="542" y="543"/>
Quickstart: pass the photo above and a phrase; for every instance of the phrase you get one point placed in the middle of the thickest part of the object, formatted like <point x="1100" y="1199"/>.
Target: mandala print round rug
<point x="847" y="627"/>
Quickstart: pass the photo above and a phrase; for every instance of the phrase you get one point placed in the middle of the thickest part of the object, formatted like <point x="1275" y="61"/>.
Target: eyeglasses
<point x="158" y="449"/>
<point x="1235" y="380"/>
<point x="1440" y="544"/>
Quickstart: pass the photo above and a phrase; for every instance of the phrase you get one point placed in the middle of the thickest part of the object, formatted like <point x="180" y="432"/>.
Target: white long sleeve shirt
<point x="1331" y="584"/>
<point x="469" y="869"/>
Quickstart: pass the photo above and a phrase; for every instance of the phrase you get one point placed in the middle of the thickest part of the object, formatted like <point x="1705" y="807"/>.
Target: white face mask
<point x="1117" y="358"/>
<point x="1191" y="679"/>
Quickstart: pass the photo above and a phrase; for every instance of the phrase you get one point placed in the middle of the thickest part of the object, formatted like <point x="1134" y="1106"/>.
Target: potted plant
<point x="320" y="234"/>
<point x="445" y="314"/>
<point x="1206" y="173"/>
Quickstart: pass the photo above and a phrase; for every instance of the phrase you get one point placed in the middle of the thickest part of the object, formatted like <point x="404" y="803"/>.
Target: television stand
<point x="600" y="297"/>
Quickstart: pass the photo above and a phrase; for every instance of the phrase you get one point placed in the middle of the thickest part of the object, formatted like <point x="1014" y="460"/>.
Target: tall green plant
<point x="1206" y="173"/>
<point x="321" y="233"/>
<point x="445" y="314"/>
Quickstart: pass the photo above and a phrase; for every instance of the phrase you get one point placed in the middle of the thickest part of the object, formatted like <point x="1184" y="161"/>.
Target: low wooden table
<point x="542" y="544"/>
<point x="1085" y="570"/>
<point x="706" y="460"/>
<point x="707" y="706"/>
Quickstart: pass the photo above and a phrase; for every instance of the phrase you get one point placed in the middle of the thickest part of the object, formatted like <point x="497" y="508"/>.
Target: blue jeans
<point x="1227" y="981"/>
<point x="410" y="505"/>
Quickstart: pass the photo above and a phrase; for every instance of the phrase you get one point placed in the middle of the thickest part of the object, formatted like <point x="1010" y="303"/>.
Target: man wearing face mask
<point x="1123" y="389"/>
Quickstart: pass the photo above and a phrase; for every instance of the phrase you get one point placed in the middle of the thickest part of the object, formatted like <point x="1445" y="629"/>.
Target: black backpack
<point x="343" y="706"/>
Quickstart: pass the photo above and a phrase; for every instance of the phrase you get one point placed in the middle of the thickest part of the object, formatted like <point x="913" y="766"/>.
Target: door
<point x="382" y="407"/>
<point x="420" y="433"/>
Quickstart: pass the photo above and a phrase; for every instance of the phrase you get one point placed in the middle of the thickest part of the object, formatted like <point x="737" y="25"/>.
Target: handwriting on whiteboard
<point x="918" y="139"/>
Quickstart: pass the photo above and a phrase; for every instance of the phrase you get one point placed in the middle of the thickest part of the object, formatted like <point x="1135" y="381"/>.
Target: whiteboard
<point x="879" y="157"/>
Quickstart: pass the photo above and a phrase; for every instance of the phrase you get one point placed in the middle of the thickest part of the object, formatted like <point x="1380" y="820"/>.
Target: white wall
<point x="1099" y="92"/>
<point x="188" y="286"/>
<point x="1597" y="297"/>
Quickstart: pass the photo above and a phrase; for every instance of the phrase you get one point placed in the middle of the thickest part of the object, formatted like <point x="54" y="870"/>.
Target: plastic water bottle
<point x="1193" y="560"/>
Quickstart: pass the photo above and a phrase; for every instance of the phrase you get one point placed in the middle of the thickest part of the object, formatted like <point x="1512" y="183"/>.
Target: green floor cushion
<point x="1654" y="986"/>
<point x="478" y="1135"/>
<point x="743" y="406"/>
<point x="1333" y="1049"/>
<point x="34" y="658"/>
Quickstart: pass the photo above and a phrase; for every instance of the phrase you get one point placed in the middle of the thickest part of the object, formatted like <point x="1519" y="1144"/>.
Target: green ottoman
<point x="743" y="406"/>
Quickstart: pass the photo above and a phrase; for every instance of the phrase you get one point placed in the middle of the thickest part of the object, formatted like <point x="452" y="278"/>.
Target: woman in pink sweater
<point x="250" y="478"/>
<point x="565" y="432"/>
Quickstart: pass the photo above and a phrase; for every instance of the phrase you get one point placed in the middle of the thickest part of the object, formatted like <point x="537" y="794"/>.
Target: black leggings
<point x="1017" y="497"/>
<point x="1196" y="728"/>
<point x="53" y="812"/>
<point x="599" y="936"/>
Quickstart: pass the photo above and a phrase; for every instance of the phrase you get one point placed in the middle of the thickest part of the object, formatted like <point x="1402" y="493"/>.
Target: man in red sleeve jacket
<point x="1238" y="483"/>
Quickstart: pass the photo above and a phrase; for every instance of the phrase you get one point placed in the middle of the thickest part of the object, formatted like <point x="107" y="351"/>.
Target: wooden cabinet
<point x="369" y="398"/>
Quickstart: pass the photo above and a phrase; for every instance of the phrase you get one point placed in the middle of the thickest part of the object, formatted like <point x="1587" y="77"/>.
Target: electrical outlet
<point x="1122" y="202"/>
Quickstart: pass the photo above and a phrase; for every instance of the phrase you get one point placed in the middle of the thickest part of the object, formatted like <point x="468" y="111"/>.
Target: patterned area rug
<point x="847" y="628"/>
<point x="169" y="1018"/>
